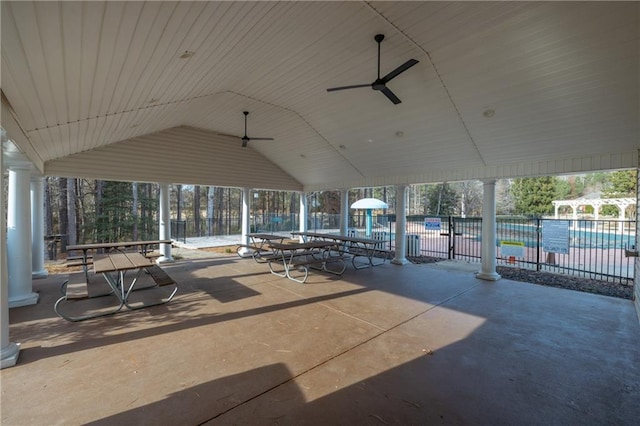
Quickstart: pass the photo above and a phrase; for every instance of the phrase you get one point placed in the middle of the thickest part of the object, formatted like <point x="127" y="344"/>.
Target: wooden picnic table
<point x="114" y="267"/>
<point x="144" y="245"/>
<point x="109" y="246"/>
<point x="259" y="248"/>
<point x="354" y="246"/>
<point x="299" y="257"/>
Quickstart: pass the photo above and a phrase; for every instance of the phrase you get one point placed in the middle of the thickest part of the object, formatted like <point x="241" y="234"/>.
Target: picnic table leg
<point x="282" y="274"/>
<point x="61" y="305"/>
<point x="161" y="301"/>
<point x="289" y="265"/>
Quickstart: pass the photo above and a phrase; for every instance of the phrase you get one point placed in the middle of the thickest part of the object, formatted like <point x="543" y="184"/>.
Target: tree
<point x="442" y="199"/>
<point x="504" y="201"/>
<point x="63" y="220"/>
<point x="219" y="209"/>
<point x="470" y="193"/>
<point x="534" y="196"/>
<point x="134" y="210"/>
<point x="48" y="210"/>
<point x="210" y="208"/>
<point x="196" y="209"/>
<point x="622" y="184"/>
<point x="72" y="234"/>
<point x="179" y="202"/>
<point x="99" y="214"/>
<point x="563" y="190"/>
<point x="116" y="221"/>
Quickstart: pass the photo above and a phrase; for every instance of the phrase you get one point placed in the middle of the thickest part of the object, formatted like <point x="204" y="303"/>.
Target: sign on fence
<point x="555" y="236"/>
<point x="512" y="248"/>
<point x="432" y="223"/>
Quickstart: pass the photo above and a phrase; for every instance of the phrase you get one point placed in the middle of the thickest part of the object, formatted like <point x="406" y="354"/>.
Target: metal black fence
<point x="596" y="248"/>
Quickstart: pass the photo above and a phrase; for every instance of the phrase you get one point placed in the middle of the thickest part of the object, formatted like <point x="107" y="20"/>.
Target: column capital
<point x="20" y="167"/>
<point x="489" y="181"/>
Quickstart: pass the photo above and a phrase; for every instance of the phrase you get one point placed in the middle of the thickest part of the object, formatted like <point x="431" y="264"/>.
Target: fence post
<point x="538" y="231"/>
<point x="452" y="239"/>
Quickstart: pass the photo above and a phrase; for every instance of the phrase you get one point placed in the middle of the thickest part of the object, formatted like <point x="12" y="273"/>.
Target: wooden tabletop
<point x="119" y="262"/>
<point x="93" y="246"/>
<point x="301" y="246"/>
<point x="339" y="237"/>
<point x="267" y="237"/>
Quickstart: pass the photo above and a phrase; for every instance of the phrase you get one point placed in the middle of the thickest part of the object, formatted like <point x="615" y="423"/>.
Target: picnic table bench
<point x="355" y="247"/>
<point x="113" y="266"/>
<point x="297" y="258"/>
<point x="259" y="248"/>
<point x="85" y="259"/>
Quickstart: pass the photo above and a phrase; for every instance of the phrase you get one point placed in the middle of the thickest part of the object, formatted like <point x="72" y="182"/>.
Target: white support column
<point x="344" y="212"/>
<point x="9" y="351"/>
<point x="574" y="215"/>
<point x="246" y="218"/>
<point x="488" y="249"/>
<point x="19" y="239"/>
<point x="304" y="212"/>
<point x="165" y="223"/>
<point x="37" y="228"/>
<point x="401" y="225"/>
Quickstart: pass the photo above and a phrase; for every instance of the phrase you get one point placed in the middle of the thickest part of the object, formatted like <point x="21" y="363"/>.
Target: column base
<point x="245" y="252"/>
<point x="164" y="259"/>
<point x="40" y="274"/>
<point x="399" y="261"/>
<point x="24" y="300"/>
<point x="488" y="276"/>
<point x="9" y="355"/>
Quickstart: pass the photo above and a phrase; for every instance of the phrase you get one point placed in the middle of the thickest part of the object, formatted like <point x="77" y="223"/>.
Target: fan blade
<point x="261" y="139"/>
<point x="226" y="135"/>
<point x="392" y="97"/>
<point x="355" y="86"/>
<point x="402" y="68"/>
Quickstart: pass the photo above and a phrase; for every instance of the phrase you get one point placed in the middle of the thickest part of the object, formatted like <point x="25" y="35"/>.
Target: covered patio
<point x="413" y="345"/>
<point x="156" y="91"/>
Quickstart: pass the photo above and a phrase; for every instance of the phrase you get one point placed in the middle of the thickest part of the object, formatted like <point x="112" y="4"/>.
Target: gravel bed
<point x="605" y="288"/>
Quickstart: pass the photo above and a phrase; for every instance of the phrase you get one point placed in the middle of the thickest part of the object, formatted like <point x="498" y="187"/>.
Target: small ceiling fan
<point x="380" y="84"/>
<point x="245" y="138"/>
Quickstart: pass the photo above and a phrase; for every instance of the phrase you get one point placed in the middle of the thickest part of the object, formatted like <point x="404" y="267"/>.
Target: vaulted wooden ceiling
<point x="101" y="89"/>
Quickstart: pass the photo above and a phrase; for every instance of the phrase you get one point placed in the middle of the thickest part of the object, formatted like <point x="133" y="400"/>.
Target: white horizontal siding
<point x="161" y="157"/>
<point x="611" y="161"/>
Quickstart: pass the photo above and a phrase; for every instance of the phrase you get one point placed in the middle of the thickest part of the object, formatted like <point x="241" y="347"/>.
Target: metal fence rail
<point x="596" y="247"/>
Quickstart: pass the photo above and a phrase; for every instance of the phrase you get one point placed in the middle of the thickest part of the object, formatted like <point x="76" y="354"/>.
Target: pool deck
<point x="390" y="345"/>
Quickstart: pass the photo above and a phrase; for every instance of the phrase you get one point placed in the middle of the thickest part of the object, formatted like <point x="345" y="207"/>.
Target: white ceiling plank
<point x="560" y="76"/>
<point x="25" y="43"/>
<point x="72" y="42"/>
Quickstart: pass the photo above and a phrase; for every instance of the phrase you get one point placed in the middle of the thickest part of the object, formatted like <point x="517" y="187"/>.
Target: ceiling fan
<point x="380" y="84"/>
<point x="245" y="138"/>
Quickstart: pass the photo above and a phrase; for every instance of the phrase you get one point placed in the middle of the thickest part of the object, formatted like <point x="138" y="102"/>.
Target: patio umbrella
<point x="369" y="204"/>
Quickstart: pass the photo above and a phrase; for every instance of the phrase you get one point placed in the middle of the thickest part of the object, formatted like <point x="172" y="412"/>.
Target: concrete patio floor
<point x="415" y="344"/>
